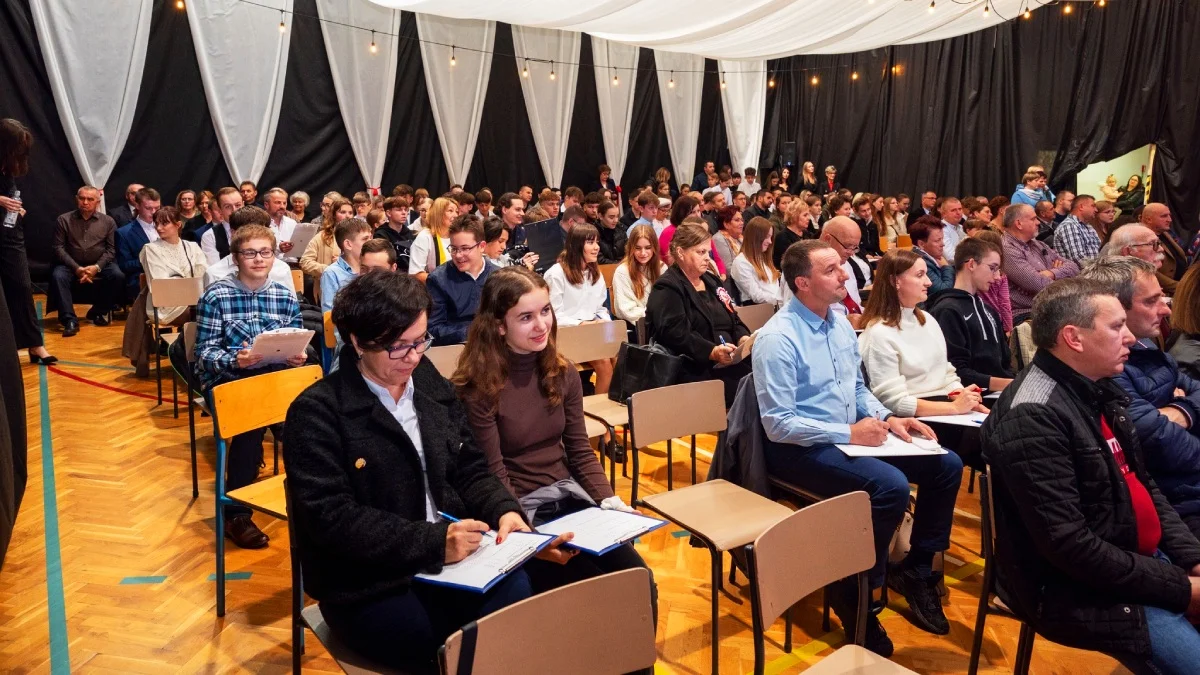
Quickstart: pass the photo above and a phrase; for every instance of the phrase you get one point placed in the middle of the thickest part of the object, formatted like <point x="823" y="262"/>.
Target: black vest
<point x="220" y="239"/>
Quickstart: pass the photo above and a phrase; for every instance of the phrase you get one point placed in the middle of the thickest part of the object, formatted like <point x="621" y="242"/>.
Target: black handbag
<point x="641" y="367"/>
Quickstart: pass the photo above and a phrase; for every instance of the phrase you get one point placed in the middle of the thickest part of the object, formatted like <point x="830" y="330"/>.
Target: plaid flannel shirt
<point x="1076" y="241"/>
<point x="229" y="315"/>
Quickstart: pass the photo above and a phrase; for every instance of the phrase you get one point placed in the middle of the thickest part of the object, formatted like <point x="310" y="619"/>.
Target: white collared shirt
<point x="208" y="243"/>
<point x="283" y="232"/>
<point x="405" y="414"/>
<point x="149" y="229"/>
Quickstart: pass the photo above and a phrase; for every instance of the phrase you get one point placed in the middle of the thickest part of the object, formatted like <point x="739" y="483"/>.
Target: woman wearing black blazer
<point x="374" y="452"/>
<point x="691" y="314"/>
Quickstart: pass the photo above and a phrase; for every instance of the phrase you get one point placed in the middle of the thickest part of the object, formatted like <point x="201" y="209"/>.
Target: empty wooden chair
<point x="903" y="241"/>
<point x="755" y="316"/>
<point x="298" y="282"/>
<point x="592" y="342"/>
<point x="784" y="566"/>
<point x="618" y="603"/>
<point x="240" y="406"/>
<point x="170" y="292"/>
<point x="445" y="358"/>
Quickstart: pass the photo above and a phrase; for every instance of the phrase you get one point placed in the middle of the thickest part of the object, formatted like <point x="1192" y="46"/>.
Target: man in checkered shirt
<point x="1075" y="238"/>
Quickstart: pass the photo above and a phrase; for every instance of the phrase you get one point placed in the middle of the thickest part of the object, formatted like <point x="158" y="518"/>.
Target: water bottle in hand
<point x="10" y="217"/>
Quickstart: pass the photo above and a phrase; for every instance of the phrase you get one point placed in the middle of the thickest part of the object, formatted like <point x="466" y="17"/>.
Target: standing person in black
<point x="15" y="143"/>
<point x="690" y="313"/>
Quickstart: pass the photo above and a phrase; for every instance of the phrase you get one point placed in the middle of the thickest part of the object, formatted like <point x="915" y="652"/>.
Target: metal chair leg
<point x="985" y="592"/>
<point x="275" y="444"/>
<point x="158" y="365"/>
<point x="220" y="493"/>
<point x="787" y="630"/>
<point x="192" y="434"/>
<point x="825" y="625"/>
<point x="971" y="481"/>
<point x="175" y="393"/>
<point x="716" y="633"/>
<point x="625" y="464"/>
<point x="633" y="490"/>
<point x="1024" y="650"/>
<point x="693" y="459"/>
<point x="670" y="468"/>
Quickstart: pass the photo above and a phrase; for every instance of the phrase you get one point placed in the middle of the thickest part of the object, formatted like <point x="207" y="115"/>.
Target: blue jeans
<point x="1174" y="642"/>
<point x="827" y="471"/>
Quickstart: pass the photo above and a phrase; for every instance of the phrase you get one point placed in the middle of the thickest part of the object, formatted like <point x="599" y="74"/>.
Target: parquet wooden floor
<point x="137" y="556"/>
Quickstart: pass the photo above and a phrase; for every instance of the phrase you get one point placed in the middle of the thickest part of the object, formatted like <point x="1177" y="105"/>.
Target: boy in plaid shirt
<point x="230" y="315"/>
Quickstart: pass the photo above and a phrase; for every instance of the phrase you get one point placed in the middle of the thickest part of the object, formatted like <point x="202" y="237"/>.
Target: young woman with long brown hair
<point x="323" y="249"/>
<point x="753" y="270"/>
<point x="577" y="290"/>
<point x="903" y="349"/>
<point x="636" y="274"/>
<point x="525" y="403"/>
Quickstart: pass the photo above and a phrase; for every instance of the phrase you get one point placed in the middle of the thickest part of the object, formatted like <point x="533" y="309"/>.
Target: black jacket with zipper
<point x="975" y="340"/>
<point x="358" y="490"/>
<point x="1066" y="538"/>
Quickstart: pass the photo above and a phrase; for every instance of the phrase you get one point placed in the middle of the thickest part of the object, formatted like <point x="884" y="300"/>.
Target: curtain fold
<point x="457" y="79"/>
<point x="95" y="90"/>
<point x="362" y="64"/>
<point x="550" y="102"/>
<point x="744" y="100"/>
<point x="680" y="85"/>
<point x="243" y="53"/>
<point x="616" y="101"/>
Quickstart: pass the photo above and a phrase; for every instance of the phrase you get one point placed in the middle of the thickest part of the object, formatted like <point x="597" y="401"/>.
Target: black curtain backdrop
<point x="958" y="115"/>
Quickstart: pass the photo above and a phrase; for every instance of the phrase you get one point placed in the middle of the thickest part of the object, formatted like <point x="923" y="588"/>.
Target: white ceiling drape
<point x="363" y="78"/>
<point x="745" y="29"/>
<point x="744" y="102"/>
<point x="680" y="86"/>
<point x="95" y="90"/>
<point x="616" y="101"/>
<point x="549" y="102"/>
<point x="243" y="57"/>
<point x="456" y="92"/>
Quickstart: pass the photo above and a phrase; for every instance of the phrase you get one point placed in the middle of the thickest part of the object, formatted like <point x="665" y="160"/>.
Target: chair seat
<point x="169" y="338"/>
<point x="265" y="495"/>
<point x="600" y="405"/>
<point x="351" y="662"/>
<point x="726" y="514"/>
<point x="795" y="490"/>
<point x="594" y="428"/>
<point x="856" y="660"/>
<point x="997" y="606"/>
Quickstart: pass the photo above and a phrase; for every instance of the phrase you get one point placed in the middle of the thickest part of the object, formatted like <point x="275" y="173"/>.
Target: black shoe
<point x="843" y="601"/>
<point x="100" y="319"/>
<point x="70" y="328"/>
<point x="244" y="533"/>
<point x="923" y="599"/>
<point x="43" y="360"/>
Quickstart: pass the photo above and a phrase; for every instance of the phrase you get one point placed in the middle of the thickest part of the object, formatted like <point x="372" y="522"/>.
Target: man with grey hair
<point x="1088" y="552"/>
<point x="1157" y="217"/>
<point x="1137" y="241"/>
<point x="1045" y="215"/>
<point x="275" y="203"/>
<point x="1029" y="264"/>
<point x="1164" y="401"/>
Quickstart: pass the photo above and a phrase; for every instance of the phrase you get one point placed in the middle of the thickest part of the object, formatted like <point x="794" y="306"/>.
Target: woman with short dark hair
<point x="374" y="451"/>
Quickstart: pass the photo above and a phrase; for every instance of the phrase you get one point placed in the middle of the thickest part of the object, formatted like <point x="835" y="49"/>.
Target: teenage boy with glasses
<point x="456" y="285"/>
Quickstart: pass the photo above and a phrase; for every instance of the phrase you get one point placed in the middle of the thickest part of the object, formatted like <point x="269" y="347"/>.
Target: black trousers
<point x="13" y="439"/>
<point x="104" y="291"/>
<point x="18" y="289"/>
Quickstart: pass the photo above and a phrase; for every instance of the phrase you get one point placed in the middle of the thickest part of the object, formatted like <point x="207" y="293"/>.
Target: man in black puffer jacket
<point x="1088" y="551"/>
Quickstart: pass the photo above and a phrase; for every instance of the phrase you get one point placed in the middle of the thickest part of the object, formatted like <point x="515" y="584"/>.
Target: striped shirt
<point x="229" y="315"/>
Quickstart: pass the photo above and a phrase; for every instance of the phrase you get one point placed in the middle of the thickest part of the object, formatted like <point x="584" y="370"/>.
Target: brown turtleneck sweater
<point x="528" y="445"/>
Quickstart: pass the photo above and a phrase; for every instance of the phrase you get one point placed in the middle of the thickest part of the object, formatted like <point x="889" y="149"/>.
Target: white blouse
<point x="574" y="304"/>
<point x="626" y="304"/>
<point x="161" y="260"/>
<point x="754" y="290"/>
<point x="907" y="362"/>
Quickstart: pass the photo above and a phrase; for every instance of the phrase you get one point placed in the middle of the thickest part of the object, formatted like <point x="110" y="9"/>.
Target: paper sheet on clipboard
<point x="277" y="346"/>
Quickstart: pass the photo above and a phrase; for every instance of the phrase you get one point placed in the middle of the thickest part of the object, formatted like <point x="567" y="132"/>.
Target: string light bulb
<point x="178" y="4"/>
<point x="671" y="83"/>
<point x="552" y="75"/>
<point x="1028" y="14"/>
<point x="1067" y="8"/>
<point x="525" y="69"/>
<point x="453" y="61"/>
<point x="1101" y="3"/>
<point x="814" y="81"/>
<point x="771" y="82"/>
<point x="854" y="75"/>
<point x="282" y="25"/>
<point x="616" y="80"/>
<point x="374" y="49"/>
<point x="932" y="6"/>
<point x="987" y="11"/>
<point x="722" y="80"/>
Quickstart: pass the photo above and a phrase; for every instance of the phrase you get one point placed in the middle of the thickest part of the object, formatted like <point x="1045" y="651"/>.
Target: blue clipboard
<point x="504" y="572"/>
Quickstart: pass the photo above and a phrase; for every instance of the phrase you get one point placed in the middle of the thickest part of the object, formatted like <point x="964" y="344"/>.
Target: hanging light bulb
<point x="1102" y="3"/>
<point x="1067" y="8"/>
<point x="671" y="83"/>
<point x="771" y="82"/>
<point x="932" y="5"/>
<point x="374" y="49"/>
<point x="453" y="61"/>
<point x="282" y="25"/>
<point x="722" y="80"/>
<point x="616" y="80"/>
<point x="525" y="69"/>
<point x="987" y="11"/>
<point x="552" y="75"/>
<point x="854" y="75"/>
<point x="1028" y="14"/>
<point x="178" y="4"/>
<point x="814" y="80"/>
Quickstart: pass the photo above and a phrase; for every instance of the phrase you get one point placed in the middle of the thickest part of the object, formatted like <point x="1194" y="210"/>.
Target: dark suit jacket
<point x="130" y="240"/>
<point x="676" y="320"/>
<point x="823" y="186"/>
<point x="358" y="491"/>
<point x="1174" y="264"/>
<point x="122" y="215"/>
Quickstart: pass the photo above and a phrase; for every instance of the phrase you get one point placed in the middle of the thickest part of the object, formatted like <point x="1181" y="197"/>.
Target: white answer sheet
<point x="489" y="562"/>
<point x="893" y="446"/>
<point x="596" y="530"/>
<point x="971" y="419"/>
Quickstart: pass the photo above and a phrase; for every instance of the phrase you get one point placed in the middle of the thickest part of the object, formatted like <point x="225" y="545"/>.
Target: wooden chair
<point x="607" y="271"/>
<point x="193" y="397"/>
<point x="722" y="515"/>
<point x="330" y="344"/>
<point x="298" y="282"/>
<point x="619" y="602"/>
<point x="240" y="406"/>
<point x="593" y="342"/>
<point x="445" y="358"/>
<point x="784" y="566"/>
<point x="755" y="316"/>
<point x="173" y="292"/>
<point x="903" y="241"/>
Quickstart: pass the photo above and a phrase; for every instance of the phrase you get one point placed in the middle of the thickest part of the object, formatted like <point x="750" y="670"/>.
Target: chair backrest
<point x="607" y="272"/>
<point x="592" y="341"/>
<point x="755" y="316"/>
<point x="987" y="516"/>
<point x="903" y="241"/>
<point x="533" y="637"/>
<point x="679" y="410"/>
<point x="259" y="401"/>
<point x="176" y="291"/>
<point x="811" y="548"/>
<point x="445" y="358"/>
<point x="298" y="281"/>
<point x="1023" y="348"/>
<point x="189" y="340"/>
<point x="330" y="331"/>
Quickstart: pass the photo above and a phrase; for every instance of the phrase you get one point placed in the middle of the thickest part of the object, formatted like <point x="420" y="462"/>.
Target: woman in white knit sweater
<point x="577" y="291"/>
<point x="903" y="349"/>
<point x="753" y="269"/>
<point x="636" y="274"/>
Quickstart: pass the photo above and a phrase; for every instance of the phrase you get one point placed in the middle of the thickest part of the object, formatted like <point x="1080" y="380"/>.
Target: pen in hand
<point x="447" y="516"/>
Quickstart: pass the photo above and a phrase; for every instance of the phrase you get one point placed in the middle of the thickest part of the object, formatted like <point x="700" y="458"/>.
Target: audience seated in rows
<point x="132" y="236"/>
<point x="844" y="236"/>
<point x="997" y="295"/>
<point x="1088" y="551"/>
<point x="976" y="345"/>
<point x="753" y="270"/>
<point x="950" y="210"/>
<point x="455" y="286"/>
<point x="350" y="235"/>
<point x="232" y="312"/>
<point x="323" y="248"/>
<point x="284" y="226"/>
<point x="227" y="267"/>
<point x="811" y="395"/>
<point x="428" y="251"/>
<point x="798" y="223"/>
<point x="929" y="243"/>
<point x="509" y="369"/>
<point x="685" y="207"/>
<point x="864" y="217"/>
<point x="1075" y="238"/>
<point x="124" y="213"/>
<point x="612" y="235"/>
<point x="1029" y="264"/>
<point x="85" y="253"/>
<point x="636" y="274"/>
<point x="577" y="291"/>
<point x="215" y="241"/>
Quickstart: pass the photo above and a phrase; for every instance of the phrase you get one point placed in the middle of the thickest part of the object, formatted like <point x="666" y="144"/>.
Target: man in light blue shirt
<point x="811" y="395"/>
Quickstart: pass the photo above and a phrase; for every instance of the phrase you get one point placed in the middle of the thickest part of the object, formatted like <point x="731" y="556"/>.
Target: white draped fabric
<point x="456" y="92"/>
<point x="96" y="90"/>
<point x="243" y="59"/>
<point x="616" y="101"/>
<point x="744" y="101"/>
<point x="550" y="102"/>
<point x="746" y="29"/>
<point x="364" y="78"/>
<point x="680" y="85"/>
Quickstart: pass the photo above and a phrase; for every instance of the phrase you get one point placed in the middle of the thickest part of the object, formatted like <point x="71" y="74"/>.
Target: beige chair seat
<point x="857" y="660"/>
<point x="350" y="662"/>
<point x="608" y="410"/>
<point x="266" y="496"/>
<point x="726" y="514"/>
<point x="595" y="429"/>
<point x="169" y="338"/>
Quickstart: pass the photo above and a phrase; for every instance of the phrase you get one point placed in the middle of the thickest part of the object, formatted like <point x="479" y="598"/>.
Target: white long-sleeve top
<point x="575" y="304"/>
<point x="626" y="304"/>
<point x="754" y="290"/>
<point x="907" y="362"/>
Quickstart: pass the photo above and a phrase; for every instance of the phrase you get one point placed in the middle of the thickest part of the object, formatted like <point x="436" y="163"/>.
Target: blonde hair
<point x="642" y="277"/>
<point x="435" y="217"/>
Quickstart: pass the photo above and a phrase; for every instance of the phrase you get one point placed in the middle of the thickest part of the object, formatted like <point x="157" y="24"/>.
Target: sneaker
<point x="844" y="606"/>
<point x="923" y="599"/>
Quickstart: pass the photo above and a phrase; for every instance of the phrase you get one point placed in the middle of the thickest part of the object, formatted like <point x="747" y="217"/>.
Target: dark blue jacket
<point x="455" y="300"/>
<point x="942" y="276"/>
<point x="1172" y="453"/>
<point x="130" y="240"/>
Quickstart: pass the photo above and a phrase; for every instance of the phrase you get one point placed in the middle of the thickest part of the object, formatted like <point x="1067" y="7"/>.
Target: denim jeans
<point x="1174" y="642"/>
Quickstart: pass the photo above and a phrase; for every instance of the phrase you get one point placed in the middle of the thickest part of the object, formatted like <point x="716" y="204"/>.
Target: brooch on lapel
<point x="360" y="463"/>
